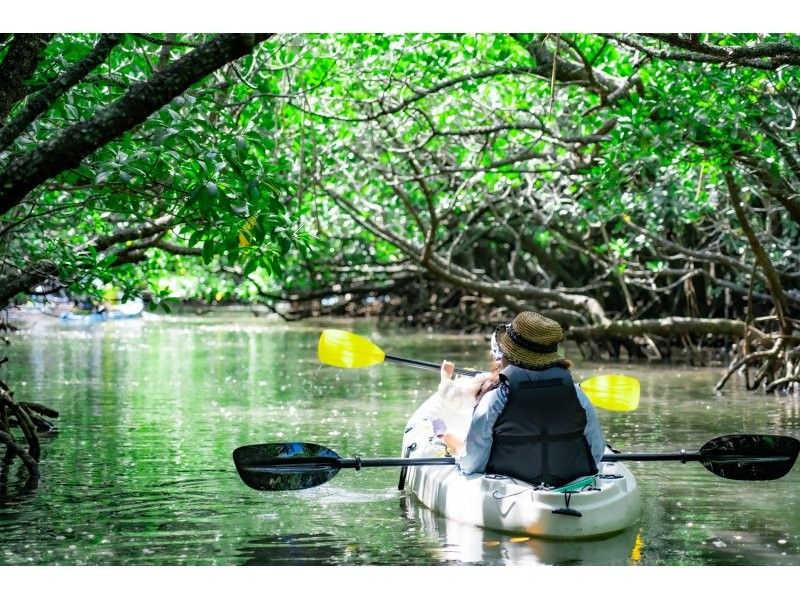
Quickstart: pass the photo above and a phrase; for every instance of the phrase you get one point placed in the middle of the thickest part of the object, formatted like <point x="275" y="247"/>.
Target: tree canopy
<point x="641" y="189"/>
<point x="119" y="152"/>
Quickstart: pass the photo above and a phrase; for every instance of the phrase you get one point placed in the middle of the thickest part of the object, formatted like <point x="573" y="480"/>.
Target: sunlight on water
<point x="140" y="470"/>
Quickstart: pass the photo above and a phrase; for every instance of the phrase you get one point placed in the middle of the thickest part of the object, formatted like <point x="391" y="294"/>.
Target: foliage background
<point x="642" y="189"/>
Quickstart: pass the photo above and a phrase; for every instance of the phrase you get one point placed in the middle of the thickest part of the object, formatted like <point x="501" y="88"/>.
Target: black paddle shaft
<point x="357" y="463"/>
<point x="685" y="456"/>
<point x="429" y="365"/>
<point x="305" y="463"/>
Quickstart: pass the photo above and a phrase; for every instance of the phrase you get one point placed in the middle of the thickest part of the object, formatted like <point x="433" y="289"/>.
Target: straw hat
<point x="531" y="341"/>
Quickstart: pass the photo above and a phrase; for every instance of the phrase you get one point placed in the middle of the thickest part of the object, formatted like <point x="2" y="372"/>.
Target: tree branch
<point x="45" y="98"/>
<point x="628" y="328"/>
<point x="548" y="64"/>
<point x="67" y="150"/>
<point x="705" y="256"/>
<point x="23" y="56"/>
<point x="131" y="233"/>
<point x="763" y="56"/>
<point x="773" y="281"/>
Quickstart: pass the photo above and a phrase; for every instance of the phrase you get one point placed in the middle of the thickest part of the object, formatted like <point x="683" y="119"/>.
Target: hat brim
<point x="522" y="357"/>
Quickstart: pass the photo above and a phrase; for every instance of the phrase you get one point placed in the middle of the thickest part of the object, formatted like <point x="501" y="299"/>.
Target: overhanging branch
<point x="66" y="151"/>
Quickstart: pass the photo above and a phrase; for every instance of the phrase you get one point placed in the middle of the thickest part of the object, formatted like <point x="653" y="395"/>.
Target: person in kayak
<point x="453" y="402"/>
<point x="534" y="423"/>
<point x="468" y="393"/>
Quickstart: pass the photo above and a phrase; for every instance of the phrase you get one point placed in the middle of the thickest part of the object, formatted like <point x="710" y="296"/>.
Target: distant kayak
<point x="593" y="506"/>
<point x="121" y="311"/>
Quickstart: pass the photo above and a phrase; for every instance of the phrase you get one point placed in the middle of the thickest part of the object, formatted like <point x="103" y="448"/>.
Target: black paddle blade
<point x="750" y="456"/>
<point x="285" y="466"/>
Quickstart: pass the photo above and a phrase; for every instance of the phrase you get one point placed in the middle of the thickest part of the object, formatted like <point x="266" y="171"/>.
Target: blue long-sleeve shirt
<point x="478" y="443"/>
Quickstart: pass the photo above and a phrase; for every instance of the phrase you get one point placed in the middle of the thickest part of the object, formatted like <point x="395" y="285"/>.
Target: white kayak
<point x="591" y="507"/>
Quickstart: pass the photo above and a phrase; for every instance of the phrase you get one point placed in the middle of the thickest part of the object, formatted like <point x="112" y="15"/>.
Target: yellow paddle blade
<point x="344" y="349"/>
<point x="613" y="392"/>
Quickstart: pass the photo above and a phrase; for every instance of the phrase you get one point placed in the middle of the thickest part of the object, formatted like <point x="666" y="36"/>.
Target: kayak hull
<point x="609" y="503"/>
<point x="469" y="544"/>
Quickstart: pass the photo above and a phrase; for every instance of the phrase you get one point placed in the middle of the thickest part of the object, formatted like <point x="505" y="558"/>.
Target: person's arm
<point x="593" y="432"/>
<point x="478" y="444"/>
<point x="453" y="441"/>
<point x="446" y="377"/>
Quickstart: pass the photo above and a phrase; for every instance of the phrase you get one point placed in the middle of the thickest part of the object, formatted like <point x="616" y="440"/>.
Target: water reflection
<point x="294" y="549"/>
<point x="472" y="545"/>
<point x="15" y="483"/>
<point x="730" y="547"/>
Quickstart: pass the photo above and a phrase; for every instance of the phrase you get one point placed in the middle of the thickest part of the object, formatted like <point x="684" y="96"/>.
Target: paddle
<point x="344" y="349"/>
<point x="299" y="465"/>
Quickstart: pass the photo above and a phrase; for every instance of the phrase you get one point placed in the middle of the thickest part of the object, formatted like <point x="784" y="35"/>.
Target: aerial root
<point x="29" y="418"/>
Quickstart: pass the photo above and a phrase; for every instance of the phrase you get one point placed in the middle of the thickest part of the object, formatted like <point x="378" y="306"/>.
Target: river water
<point x="140" y="469"/>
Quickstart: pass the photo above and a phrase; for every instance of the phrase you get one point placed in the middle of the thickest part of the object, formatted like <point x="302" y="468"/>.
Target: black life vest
<point x="538" y="437"/>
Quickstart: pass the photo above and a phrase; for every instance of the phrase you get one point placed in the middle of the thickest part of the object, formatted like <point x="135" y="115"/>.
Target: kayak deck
<point x="607" y="503"/>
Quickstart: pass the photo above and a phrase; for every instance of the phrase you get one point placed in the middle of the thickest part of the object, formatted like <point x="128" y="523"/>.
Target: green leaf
<point x="209" y="251"/>
<point x="250" y="266"/>
<point x="195" y="237"/>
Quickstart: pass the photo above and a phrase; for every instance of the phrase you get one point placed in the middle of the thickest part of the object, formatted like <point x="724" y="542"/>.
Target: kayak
<point x="112" y="311"/>
<point x="590" y="507"/>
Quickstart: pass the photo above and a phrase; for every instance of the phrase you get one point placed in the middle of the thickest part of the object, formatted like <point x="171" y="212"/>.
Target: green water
<point x="140" y="471"/>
